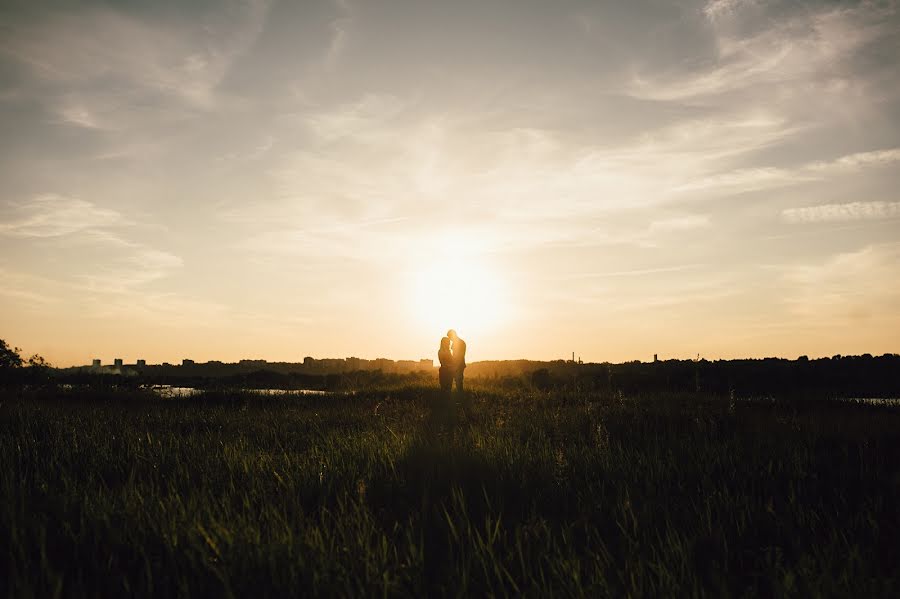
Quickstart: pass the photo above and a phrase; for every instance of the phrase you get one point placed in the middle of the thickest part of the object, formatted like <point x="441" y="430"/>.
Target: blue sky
<point x="225" y="180"/>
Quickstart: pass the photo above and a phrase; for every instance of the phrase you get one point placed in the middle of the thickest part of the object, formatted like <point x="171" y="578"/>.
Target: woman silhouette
<point x="445" y="375"/>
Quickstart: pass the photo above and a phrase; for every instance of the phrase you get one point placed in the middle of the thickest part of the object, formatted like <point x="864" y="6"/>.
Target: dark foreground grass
<point x="563" y="494"/>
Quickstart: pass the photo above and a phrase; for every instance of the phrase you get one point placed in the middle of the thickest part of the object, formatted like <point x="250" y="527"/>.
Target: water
<point x="873" y="401"/>
<point x="174" y="392"/>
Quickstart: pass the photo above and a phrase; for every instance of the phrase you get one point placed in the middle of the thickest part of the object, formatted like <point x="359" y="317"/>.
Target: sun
<point x="459" y="292"/>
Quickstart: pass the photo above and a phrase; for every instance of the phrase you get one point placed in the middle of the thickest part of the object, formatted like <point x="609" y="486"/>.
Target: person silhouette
<point x="459" y="359"/>
<point x="447" y="370"/>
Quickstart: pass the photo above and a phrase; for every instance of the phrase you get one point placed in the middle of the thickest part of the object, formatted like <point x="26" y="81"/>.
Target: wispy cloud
<point x="92" y="63"/>
<point x="367" y="118"/>
<point x="842" y="212"/>
<point x="53" y="215"/>
<point x="855" y="286"/>
<point x="854" y="162"/>
<point x="133" y="269"/>
<point x="716" y="9"/>
<point x="339" y="35"/>
<point x="680" y="223"/>
<point x="75" y="224"/>
<point x="445" y="167"/>
<point x="80" y="116"/>
<point x="28" y="290"/>
<point x="752" y="179"/>
<point x="792" y="51"/>
<point x="639" y="271"/>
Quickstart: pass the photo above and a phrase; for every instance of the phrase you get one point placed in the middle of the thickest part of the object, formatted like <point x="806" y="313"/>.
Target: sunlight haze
<point x="285" y="179"/>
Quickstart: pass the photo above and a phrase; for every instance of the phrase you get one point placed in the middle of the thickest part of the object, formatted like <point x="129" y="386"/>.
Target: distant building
<point x="186" y="362"/>
<point x="117" y="362"/>
<point x="141" y="363"/>
<point x="426" y="363"/>
<point x="96" y="363"/>
<point x="655" y="358"/>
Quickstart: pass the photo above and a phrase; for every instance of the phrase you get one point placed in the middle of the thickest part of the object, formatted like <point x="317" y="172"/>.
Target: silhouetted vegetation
<point x="115" y="492"/>
<point x="847" y="376"/>
<point x="16" y="371"/>
<point x="9" y="357"/>
<point x="839" y="376"/>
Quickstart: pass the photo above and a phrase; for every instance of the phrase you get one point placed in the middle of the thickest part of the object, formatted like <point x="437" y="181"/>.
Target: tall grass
<point x="381" y="493"/>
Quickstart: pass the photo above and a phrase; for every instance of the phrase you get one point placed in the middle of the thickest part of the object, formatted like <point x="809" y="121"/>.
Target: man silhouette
<point x="459" y="359"/>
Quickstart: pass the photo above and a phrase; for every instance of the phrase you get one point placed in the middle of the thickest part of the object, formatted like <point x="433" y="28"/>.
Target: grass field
<point x="562" y="493"/>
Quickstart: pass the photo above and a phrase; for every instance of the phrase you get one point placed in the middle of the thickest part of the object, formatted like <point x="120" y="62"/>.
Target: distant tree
<point x="39" y="370"/>
<point x="37" y="361"/>
<point x="9" y="356"/>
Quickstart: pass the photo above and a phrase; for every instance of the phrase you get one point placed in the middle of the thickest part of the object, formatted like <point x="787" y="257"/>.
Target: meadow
<point x="390" y="492"/>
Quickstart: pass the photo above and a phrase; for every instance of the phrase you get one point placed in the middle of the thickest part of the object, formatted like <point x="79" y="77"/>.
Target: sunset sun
<point x="459" y="292"/>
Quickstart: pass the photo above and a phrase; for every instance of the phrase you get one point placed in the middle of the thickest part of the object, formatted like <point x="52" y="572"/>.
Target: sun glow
<point x="461" y="292"/>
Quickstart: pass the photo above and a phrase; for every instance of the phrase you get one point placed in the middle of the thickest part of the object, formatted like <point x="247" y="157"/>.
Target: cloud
<point x="90" y="298"/>
<point x="80" y="116"/>
<point x="256" y="152"/>
<point x="364" y="119"/>
<point x="134" y="265"/>
<point x="743" y="180"/>
<point x="754" y="179"/>
<point x="101" y="68"/>
<point x="814" y="74"/>
<point x="862" y="285"/>
<point x="842" y="212"/>
<point x="638" y="271"/>
<point x="529" y="187"/>
<point x="789" y="52"/>
<point x="716" y="9"/>
<point x="87" y="230"/>
<point x="339" y="34"/>
<point x="52" y="215"/>
<point x="854" y="162"/>
<point x="680" y="223"/>
<point x="448" y="160"/>
<point x="27" y="289"/>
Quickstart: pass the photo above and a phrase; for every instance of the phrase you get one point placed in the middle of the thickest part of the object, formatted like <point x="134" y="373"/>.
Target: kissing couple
<point x="452" y="356"/>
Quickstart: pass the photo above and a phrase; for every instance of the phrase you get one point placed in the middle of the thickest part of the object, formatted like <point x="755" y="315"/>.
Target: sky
<point x="226" y="180"/>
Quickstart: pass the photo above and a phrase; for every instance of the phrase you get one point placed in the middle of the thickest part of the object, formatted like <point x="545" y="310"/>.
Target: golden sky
<point x="230" y="180"/>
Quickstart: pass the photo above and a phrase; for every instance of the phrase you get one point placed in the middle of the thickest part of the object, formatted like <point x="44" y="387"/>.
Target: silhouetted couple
<point x="452" y="356"/>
